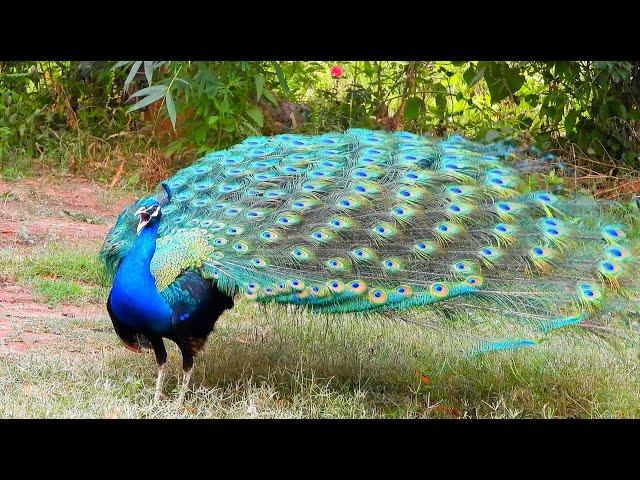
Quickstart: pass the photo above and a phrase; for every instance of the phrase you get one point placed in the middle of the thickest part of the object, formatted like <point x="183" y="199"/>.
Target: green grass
<point x="57" y="274"/>
<point x="284" y="366"/>
<point x="55" y="292"/>
<point x="16" y="172"/>
<point x="276" y="363"/>
<point x="60" y="262"/>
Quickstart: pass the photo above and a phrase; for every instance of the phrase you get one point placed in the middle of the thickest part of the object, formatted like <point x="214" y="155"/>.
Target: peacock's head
<point x="149" y="211"/>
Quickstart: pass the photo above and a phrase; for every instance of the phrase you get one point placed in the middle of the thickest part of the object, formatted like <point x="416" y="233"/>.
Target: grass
<point x="275" y="363"/>
<point x="57" y="274"/>
<point x="303" y="367"/>
<point x="55" y="292"/>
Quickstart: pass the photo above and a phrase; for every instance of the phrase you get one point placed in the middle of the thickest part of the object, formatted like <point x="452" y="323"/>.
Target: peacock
<point x="370" y="223"/>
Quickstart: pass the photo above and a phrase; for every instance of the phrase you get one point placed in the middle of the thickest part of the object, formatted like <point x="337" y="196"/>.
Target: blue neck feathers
<point x="134" y="297"/>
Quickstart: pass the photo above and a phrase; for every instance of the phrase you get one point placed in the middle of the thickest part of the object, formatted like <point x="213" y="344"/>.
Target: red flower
<point x="336" y="71"/>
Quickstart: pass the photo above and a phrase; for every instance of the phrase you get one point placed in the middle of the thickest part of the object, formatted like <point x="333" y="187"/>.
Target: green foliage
<point x="217" y="102"/>
<point x="592" y="104"/>
<point x="211" y="105"/>
<point x="41" y="101"/>
<point x="503" y="81"/>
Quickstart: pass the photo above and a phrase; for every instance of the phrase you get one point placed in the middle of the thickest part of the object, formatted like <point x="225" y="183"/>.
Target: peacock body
<point x="381" y="223"/>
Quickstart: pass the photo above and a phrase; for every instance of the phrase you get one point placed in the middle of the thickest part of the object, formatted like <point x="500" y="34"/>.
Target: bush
<point x="187" y="108"/>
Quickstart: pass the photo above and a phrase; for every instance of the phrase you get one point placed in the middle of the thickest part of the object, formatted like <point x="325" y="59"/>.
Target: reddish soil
<point x="68" y="211"/>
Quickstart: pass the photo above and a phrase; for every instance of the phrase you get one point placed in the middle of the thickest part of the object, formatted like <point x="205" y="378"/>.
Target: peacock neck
<point x="134" y="296"/>
<point x="145" y="246"/>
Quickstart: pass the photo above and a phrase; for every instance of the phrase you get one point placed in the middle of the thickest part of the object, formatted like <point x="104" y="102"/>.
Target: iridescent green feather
<point x="391" y="223"/>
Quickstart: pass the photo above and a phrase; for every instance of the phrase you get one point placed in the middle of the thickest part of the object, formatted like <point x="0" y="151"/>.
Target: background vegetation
<point x="146" y="118"/>
<point x="130" y="124"/>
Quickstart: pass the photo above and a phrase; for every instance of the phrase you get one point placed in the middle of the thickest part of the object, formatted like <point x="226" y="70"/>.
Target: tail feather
<point x="375" y="222"/>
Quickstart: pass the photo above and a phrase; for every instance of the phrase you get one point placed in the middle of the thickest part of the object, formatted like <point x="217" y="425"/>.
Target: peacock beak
<point x="146" y="214"/>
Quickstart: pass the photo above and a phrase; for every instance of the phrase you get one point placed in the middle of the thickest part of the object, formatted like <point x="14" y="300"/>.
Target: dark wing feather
<point x="196" y="305"/>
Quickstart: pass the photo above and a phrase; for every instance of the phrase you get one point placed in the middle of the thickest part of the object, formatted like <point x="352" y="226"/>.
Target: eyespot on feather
<point x="336" y="286"/>
<point x="358" y="286"/>
<point x="474" y="281"/>
<point x="439" y="290"/>
<point x="377" y="296"/>
<point x="404" y="290"/>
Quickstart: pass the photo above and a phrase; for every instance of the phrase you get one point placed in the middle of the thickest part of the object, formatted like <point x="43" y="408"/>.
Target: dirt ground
<point x="68" y="211"/>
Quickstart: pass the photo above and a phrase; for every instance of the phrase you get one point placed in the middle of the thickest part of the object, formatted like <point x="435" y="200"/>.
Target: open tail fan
<point x="396" y="223"/>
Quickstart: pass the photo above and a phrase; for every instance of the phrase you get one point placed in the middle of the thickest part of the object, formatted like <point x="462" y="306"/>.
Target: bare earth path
<point x="69" y="211"/>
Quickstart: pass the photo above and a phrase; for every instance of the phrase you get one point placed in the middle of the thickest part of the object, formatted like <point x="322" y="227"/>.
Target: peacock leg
<point x="159" y="382"/>
<point x="161" y="359"/>
<point x="185" y="386"/>
<point x="187" y="367"/>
